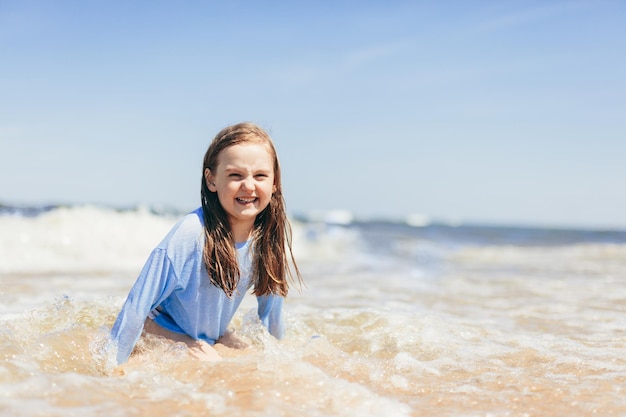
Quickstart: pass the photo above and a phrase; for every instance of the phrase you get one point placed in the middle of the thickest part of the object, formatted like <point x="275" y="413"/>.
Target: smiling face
<point x="244" y="181"/>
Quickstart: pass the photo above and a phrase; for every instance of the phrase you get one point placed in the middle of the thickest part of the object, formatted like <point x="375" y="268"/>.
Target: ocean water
<point x="394" y="320"/>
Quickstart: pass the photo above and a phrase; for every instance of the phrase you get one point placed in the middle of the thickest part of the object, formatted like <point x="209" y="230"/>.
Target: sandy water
<point x="394" y="321"/>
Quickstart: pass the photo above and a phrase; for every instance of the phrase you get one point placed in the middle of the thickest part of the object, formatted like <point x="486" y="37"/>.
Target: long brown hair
<point x="273" y="258"/>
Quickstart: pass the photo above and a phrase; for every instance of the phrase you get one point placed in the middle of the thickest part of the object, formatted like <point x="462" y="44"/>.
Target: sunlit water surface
<point x="394" y="321"/>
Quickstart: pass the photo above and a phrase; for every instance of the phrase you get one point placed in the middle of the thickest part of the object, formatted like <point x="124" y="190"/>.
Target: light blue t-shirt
<point x="174" y="288"/>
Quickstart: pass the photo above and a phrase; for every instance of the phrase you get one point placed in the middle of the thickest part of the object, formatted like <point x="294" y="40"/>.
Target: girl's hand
<point x="231" y="340"/>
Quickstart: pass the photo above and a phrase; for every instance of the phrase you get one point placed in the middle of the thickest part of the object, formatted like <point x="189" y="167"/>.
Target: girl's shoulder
<point x="188" y="229"/>
<point x="193" y="221"/>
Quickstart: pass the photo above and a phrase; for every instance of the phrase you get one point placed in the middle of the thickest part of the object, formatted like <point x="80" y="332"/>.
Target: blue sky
<point x="490" y="111"/>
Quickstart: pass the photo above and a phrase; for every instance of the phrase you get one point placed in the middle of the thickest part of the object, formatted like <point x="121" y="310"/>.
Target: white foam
<point x="88" y="239"/>
<point x="79" y="239"/>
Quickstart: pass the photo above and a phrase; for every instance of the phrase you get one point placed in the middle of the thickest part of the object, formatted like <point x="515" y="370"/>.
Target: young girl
<point x="194" y="280"/>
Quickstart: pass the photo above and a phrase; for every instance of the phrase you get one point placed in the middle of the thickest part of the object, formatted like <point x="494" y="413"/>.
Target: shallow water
<point x="393" y="321"/>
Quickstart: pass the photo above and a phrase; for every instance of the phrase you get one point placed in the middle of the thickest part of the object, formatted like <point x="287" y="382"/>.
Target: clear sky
<point x="490" y="111"/>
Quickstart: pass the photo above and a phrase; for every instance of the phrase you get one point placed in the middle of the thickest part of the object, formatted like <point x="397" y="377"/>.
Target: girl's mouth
<point x="247" y="200"/>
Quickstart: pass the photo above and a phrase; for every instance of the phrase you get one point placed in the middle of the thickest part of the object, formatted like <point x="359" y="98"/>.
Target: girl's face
<point x="244" y="183"/>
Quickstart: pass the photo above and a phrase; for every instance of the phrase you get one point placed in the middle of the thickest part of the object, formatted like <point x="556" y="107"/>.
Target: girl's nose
<point x="248" y="183"/>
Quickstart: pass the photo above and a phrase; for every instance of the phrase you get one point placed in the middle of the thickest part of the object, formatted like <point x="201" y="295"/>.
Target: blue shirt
<point x="174" y="288"/>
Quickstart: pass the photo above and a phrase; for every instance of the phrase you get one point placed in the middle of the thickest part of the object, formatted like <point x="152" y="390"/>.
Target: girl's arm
<point x="155" y="283"/>
<point x="271" y="314"/>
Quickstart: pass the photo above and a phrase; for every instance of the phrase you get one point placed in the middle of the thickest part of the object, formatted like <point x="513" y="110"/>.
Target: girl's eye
<point x="234" y="175"/>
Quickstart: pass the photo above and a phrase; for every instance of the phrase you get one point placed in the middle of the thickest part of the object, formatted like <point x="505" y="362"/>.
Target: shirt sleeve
<point x="155" y="283"/>
<point x="271" y="314"/>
